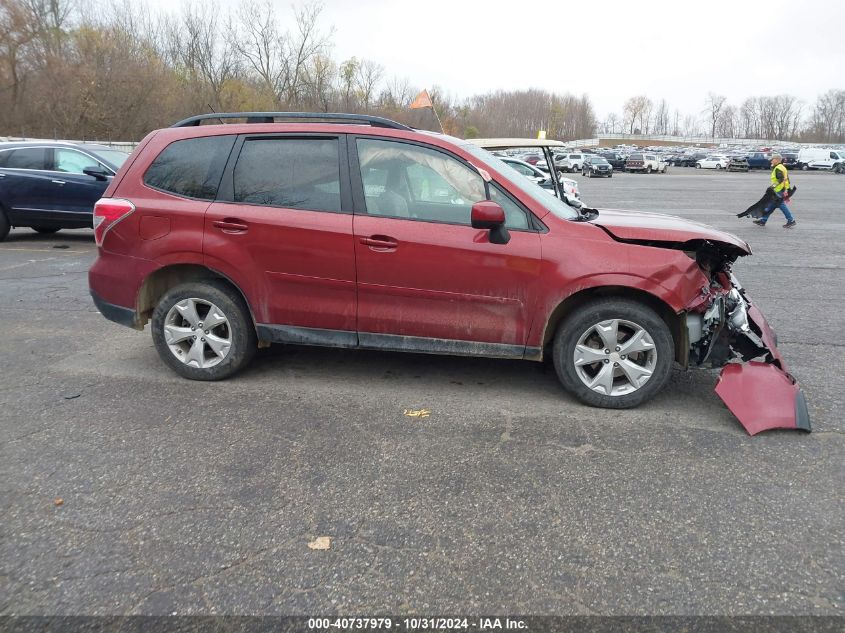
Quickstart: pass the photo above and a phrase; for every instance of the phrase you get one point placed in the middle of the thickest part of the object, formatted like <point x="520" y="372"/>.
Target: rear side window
<point x="28" y="158"/>
<point x="191" y="167"/>
<point x="292" y="173"/>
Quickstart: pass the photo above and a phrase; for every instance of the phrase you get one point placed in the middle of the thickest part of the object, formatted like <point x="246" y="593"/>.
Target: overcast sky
<point x="609" y="49"/>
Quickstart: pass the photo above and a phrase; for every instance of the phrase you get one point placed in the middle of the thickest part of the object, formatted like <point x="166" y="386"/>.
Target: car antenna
<point x="214" y="111"/>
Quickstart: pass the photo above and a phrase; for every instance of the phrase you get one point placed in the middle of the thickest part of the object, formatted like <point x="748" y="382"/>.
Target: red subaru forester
<point x="356" y="231"/>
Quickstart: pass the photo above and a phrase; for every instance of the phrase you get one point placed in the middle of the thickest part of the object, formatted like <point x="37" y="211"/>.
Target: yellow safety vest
<point x="782" y="183"/>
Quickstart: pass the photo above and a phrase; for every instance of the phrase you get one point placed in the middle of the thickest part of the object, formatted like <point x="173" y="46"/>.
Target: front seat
<point x="389" y="203"/>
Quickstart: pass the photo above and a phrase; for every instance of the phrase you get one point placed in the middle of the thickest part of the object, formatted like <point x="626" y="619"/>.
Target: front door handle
<point x="58" y="182"/>
<point x="231" y="225"/>
<point x="380" y="243"/>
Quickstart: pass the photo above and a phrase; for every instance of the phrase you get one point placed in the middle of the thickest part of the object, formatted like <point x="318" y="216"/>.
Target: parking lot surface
<point x="126" y="489"/>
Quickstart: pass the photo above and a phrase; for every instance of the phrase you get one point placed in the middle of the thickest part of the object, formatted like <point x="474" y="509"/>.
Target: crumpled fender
<point x="762" y="395"/>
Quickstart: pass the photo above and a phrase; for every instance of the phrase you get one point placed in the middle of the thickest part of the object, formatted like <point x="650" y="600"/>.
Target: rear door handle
<point x="380" y="242"/>
<point x="231" y="225"/>
<point x="58" y="182"/>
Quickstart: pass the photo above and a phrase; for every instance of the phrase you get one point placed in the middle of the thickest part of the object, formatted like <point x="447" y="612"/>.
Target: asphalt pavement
<point x="125" y="489"/>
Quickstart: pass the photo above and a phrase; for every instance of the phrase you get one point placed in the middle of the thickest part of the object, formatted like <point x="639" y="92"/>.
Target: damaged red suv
<point x="356" y="231"/>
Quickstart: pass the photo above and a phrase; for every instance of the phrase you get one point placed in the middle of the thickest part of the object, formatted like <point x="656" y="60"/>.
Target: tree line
<point x="778" y="117"/>
<point x="100" y="69"/>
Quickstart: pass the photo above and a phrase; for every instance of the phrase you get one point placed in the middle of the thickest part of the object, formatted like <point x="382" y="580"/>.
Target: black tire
<point x="578" y="323"/>
<point x="45" y="230"/>
<point x="610" y="175"/>
<point x="240" y="328"/>
<point x="719" y="167"/>
<point x="4" y="225"/>
<point x="805" y="167"/>
<point x="697" y="166"/>
<point x="648" y="169"/>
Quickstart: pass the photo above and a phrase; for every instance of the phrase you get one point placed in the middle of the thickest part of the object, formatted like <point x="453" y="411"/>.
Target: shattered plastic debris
<point x="417" y="413"/>
<point x="321" y="543"/>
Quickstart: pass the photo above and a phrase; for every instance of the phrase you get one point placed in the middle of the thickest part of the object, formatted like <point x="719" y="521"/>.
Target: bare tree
<point x="367" y="76"/>
<point x="661" y="118"/>
<point x="18" y="28"/>
<point x="714" y="104"/>
<point x="197" y="45"/>
<point x="634" y="109"/>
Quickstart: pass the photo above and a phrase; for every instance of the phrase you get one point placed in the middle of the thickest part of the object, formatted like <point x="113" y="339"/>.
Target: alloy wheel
<point x="197" y="333"/>
<point x="615" y="357"/>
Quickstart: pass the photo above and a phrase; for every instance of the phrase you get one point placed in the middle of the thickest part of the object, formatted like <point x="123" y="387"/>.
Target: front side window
<point x="191" y="167"/>
<point x="28" y="158"/>
<point x="408" y="181"/>
<point x="72" y="162"/>
<point x="292" y="173"/>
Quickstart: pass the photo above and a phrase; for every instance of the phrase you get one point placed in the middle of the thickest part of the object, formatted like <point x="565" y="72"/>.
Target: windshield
<point x="536" y="192"/>
<point x="113" y="156"/>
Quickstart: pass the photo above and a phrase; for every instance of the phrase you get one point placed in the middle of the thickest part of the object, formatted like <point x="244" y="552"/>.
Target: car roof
<point x="21" y="144"/>
<point x="504" y="143"/>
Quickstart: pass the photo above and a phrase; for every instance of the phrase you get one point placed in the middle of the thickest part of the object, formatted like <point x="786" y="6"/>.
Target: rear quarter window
<point x="28" y="158"/>
<point x="191" y="167"/>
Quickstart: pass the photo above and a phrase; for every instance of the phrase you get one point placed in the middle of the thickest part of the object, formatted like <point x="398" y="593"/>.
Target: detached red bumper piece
<point x="763" y="397"/>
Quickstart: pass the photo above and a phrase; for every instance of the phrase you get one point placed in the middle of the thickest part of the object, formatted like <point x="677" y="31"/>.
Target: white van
<point x="819" y="158"/>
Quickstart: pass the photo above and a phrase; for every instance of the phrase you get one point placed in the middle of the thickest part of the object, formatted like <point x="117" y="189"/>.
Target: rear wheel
<point x="613" y="353"/>
<point x="648" y="169"/>
<point x="45" y="230"/>
<point x="805" y="167"/>
<point x="718" y="166"/>
<point x="203" y="330"/>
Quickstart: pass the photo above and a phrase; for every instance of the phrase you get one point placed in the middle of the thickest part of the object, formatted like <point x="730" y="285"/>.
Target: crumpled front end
<point x="726" y="329"/>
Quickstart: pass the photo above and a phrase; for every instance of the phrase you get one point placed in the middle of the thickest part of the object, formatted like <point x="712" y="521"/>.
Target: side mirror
<point x="96" y="172"/>
<point x="489" y="215"/>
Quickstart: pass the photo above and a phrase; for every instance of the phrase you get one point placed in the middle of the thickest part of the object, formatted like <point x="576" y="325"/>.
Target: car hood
<point x="642" y="227"/>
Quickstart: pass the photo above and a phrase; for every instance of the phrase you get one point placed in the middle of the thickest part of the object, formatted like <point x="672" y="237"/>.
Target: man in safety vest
<point x="780" y="185"/>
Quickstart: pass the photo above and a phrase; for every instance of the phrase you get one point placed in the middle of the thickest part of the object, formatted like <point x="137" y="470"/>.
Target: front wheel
<point x="805" y="167"/>
<point x="648" y="169"/>
<point x="613" y="353"/>
<point x="203" y="330"/>
<point x="718" y="167"/>
<point x="610" y="175"/>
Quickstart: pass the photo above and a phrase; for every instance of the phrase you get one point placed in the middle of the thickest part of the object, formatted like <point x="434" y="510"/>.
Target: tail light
<point x="107" y="213"/>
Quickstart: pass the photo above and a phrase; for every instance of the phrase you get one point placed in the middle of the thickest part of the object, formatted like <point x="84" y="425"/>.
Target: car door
<point x="283" y="223"/>
<point x="75" y="191"/>
<point x="25" y="185"/>
<point x="427" y="280"/>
